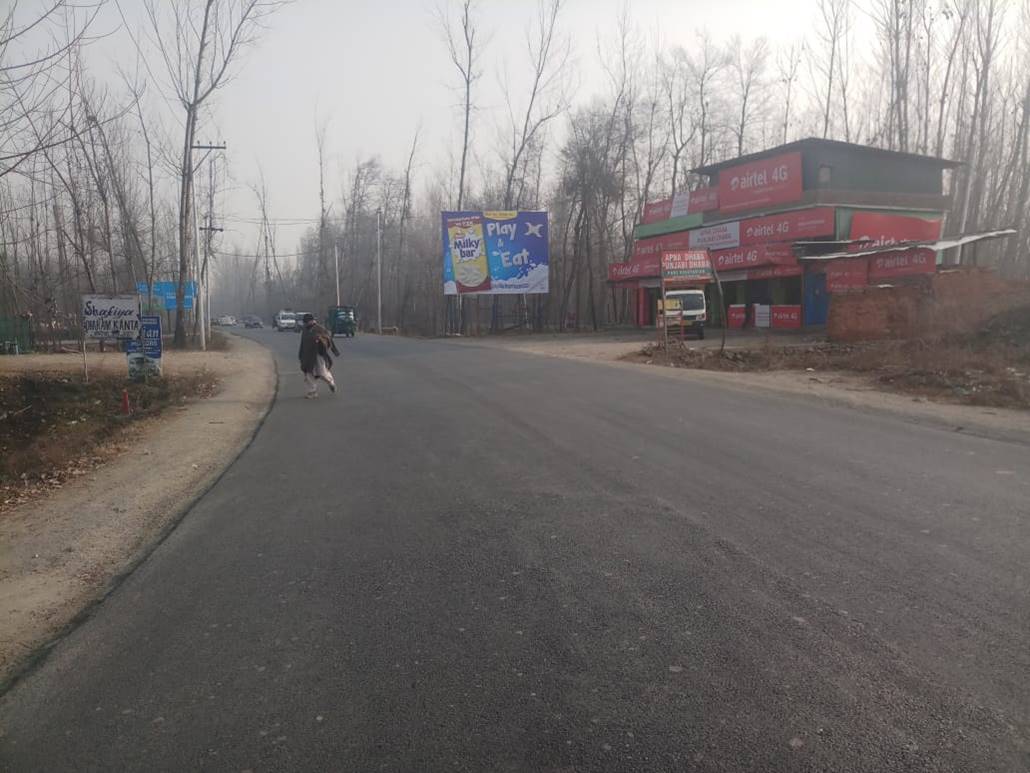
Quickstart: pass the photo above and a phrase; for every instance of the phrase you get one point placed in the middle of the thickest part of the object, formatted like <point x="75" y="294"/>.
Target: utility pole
<point x="379" y="269"/>
<point x="336" y="261"/>
<point x="199" y="301"/>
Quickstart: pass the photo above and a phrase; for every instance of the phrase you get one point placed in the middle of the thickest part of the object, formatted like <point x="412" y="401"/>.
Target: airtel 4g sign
<point x="775" y="180"/>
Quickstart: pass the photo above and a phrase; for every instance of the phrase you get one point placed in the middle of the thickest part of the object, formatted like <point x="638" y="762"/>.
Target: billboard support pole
<point x="379" y="270"/>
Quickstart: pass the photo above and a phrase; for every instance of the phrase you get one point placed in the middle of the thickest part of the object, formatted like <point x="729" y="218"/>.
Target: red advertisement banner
<point x="755" y="255"/>
<point x="846" y="274"/>
<point x="918" y="260"/>
<point x="803" y="224"/>
<point x="884" y="230"/>
<point x="656" y="211"/>
<point x="634" y="269"/>
<point x="683" y="203"/>
<point x="785" y="316"/>
<point x="775" y="180"/>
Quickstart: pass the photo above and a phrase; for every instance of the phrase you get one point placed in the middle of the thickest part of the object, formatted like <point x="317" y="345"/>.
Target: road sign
<point x="164" y="292"/>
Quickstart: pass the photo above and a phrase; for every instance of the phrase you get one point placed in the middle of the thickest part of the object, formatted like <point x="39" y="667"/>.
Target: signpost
<point x="144" y="353"/>
<point x="685" y="266"/>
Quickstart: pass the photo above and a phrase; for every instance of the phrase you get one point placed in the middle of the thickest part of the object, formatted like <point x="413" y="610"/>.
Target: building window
<point x="825" y="175"/>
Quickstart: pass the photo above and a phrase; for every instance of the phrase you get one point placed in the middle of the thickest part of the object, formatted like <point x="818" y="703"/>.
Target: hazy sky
<point x="376" y="69"/>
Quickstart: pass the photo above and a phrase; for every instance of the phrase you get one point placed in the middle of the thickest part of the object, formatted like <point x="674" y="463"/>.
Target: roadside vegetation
<point x="990" y="367"/>
<point x="54" y="427"/>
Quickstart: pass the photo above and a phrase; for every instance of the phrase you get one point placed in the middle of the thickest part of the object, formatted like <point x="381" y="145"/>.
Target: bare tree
<point x="549" y="57"/>
<point x="199" y="41"/>
<point x="832" y="26"/>
<point x="464" y="53"/>
<point x="748" y="61"/>
<point x="788" y="63"/>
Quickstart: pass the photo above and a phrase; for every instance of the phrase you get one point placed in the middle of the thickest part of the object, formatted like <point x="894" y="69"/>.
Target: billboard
<point x="495" y="253"/>
<point x="682" y="204"/>
<point x="165" y="292"/>
<point x="775" y="180"/>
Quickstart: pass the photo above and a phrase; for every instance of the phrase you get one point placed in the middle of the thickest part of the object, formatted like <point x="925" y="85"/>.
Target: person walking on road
<point x="315" y="362"/>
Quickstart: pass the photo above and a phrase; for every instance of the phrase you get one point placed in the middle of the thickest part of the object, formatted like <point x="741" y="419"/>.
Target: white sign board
<point x="716" y="237"/>
<point x="110" y="316"/>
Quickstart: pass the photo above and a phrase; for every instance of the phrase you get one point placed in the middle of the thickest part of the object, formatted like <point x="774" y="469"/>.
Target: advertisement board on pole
<point x="144" y="353"/>
<point x="775" y="180"/>
<point x="110" y="316"/>
<point x="691" y="265"/>
<point x="495" y="253"/>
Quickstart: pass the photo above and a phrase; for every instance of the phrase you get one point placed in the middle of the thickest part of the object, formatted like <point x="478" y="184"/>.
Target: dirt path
<point x="62" y="552"/>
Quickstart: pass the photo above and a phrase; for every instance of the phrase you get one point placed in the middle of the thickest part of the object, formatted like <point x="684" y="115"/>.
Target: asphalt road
<point x="471" y="559"/>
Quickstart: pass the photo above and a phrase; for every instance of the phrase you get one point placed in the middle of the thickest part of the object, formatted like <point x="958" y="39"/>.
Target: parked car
<point x="251" y="320"/>
<point x="284" y="320"/>
<point x="226" y="320"/>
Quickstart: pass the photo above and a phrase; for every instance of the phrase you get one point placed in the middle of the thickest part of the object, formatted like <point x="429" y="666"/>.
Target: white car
<point x="226" y="320"/>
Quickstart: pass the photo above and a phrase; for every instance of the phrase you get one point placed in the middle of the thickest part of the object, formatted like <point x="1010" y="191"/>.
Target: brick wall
<point x="951" y="301"/>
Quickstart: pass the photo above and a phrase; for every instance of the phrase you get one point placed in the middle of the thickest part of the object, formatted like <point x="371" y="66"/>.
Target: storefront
<point x="761" y="216"/>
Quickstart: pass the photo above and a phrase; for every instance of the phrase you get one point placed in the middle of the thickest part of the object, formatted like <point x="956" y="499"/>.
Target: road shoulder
<point x="832" y="388"/>
<point x="64" y="552"/>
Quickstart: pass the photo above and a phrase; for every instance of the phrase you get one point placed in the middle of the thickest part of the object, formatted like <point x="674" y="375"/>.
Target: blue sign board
<point x="166" y="292"/>
<point x="144" y="353"/>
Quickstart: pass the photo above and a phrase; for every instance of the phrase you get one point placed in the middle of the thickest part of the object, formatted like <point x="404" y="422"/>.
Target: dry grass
<point x="990" y="367"/>
<point x="53" y="426"/>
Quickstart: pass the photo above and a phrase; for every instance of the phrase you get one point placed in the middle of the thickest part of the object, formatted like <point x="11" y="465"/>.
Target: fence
<point x="15" y="335"/>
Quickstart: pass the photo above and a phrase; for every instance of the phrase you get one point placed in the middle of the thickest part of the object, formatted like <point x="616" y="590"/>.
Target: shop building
<point x="760" y="214"/>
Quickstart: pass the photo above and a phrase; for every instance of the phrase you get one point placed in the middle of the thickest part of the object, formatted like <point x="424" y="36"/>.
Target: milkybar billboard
<point x="495" y="253"/>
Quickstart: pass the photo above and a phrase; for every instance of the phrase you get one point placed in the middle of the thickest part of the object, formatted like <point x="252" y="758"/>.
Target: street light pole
<point x="379" y="270"/>
<point x="336" y="260"/>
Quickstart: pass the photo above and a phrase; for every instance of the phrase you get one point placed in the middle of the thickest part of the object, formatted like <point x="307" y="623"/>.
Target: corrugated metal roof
<point x="811" y="143"/>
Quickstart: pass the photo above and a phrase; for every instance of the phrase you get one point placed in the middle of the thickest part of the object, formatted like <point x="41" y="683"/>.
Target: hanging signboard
<point x="110" y="316"/>
<point x="803" y="224"/>
<point x="495" y="253"/>
<point x="775" y="180"/>
<point x="144" y="354"/>
<point x="691" y="265"/>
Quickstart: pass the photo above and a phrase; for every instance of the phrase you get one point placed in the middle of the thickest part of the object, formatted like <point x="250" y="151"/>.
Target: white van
<point x="687" y="308"/>
<point x="284" y="320"/>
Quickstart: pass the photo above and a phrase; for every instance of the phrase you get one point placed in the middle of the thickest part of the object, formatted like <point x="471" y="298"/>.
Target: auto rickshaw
<point x="342" y="320"/>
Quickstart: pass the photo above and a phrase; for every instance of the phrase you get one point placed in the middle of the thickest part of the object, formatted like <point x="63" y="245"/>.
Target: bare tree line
<point x="95" y="195"/>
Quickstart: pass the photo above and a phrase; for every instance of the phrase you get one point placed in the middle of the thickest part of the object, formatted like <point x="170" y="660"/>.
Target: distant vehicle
<point x="285" y="320"/>
<point x="298" y="323"/>
<point x="686" y="310"/>
<point x="342" y="320"/>
<point x="251" y="320"/>
<point x="226" y="320"/>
